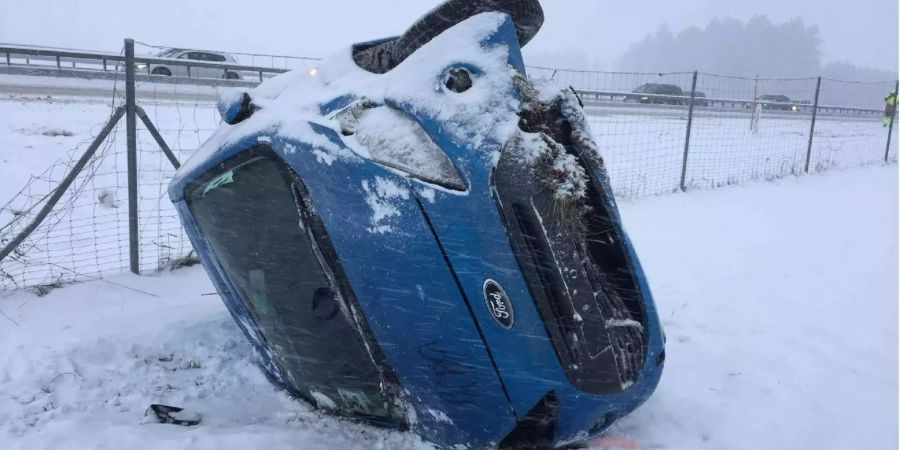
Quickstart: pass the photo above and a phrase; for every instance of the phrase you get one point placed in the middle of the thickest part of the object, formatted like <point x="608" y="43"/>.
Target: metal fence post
<point x="887" y="148"/>
<point x="812" y="126"/>
<point x="131" y="135"/>
<point x="687" y="135"/>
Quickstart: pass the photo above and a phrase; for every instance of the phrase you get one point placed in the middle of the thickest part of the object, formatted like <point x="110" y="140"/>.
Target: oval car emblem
<point x="498" y="304"/>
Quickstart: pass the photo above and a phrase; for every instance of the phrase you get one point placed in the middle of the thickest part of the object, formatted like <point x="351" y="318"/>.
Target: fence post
<point x="687" y="135"/>
<point x="812" y="126"/>
<point x="755" y="108"/>
<point x="887" y="148"/>
<point x="131" y="136"/>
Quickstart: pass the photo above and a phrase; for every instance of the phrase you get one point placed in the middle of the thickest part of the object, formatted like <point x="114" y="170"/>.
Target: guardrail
<point x="610" y="98"/>
<point x="79" y="64"/>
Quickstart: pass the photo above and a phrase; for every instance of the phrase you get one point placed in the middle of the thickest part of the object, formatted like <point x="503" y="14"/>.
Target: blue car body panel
<point x="468" y="379"/>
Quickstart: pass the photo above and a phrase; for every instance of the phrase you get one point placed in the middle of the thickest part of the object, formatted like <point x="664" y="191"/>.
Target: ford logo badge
<point x="498" y="304"/>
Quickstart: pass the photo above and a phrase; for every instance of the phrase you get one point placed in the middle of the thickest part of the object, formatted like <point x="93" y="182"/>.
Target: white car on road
<point x="192" y="71"/>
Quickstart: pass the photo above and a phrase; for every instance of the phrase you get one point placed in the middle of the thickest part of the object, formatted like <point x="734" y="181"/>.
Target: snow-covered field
<point x="779" y="298"/>
<point x="779" y="301"/>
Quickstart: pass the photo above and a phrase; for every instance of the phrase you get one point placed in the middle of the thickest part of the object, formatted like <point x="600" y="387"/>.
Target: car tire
<point x="163" y="71"/>
<point x="231" y="76"/>
<point x="527" y="15"/>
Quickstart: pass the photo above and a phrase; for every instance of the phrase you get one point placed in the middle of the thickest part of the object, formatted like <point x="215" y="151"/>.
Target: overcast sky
<point x="583" y="33"/>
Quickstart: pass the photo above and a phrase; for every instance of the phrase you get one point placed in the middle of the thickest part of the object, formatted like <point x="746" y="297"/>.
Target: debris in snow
<point x="45" y="131"/>
<point x="107" y="198"/>
<point x="53" y="132"/>
<point x="173" y="415"/>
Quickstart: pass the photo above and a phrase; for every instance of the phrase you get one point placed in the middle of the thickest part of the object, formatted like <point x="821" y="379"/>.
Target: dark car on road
<point x="776" y="102"/>
<point x="667" y="94"/>
<point x="699" y="98"/>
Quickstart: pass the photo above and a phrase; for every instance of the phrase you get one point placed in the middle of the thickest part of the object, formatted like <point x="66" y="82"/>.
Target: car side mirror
<point x="235" y="106"/>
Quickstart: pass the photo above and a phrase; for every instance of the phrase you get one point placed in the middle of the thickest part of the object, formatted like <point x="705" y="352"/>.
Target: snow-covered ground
<point x="779" y="301"/>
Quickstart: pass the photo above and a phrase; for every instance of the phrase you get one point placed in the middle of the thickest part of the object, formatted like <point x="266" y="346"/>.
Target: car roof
<point x="184" y="50"/>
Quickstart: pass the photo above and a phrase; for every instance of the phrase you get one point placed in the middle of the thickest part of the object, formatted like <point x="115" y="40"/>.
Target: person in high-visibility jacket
<point x="890" y="108"/>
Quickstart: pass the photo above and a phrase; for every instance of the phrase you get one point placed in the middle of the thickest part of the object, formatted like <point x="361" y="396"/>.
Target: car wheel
<point x="232" y="76"/>
<point x="162" y="71"/>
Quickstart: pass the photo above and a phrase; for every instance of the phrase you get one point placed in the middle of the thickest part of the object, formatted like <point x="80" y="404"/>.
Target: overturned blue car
<point x="418" y="236"/>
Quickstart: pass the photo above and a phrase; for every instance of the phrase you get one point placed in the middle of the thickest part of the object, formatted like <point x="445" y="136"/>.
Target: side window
<point x="214" y="57"/>
<point x="185" y="55"/>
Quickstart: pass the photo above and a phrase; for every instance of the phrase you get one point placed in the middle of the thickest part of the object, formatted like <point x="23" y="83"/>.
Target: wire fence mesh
<point x="741" y="129"/>
<point x="850" y="138"/>
<point x="86" y="233"/>
<point x="736" y="143"/>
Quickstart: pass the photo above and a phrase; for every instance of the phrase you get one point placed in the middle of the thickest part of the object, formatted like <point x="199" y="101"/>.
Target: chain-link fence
<point x="657" y="133"/>
<point x="86" y="231"/>
<point x="663" y="132"/>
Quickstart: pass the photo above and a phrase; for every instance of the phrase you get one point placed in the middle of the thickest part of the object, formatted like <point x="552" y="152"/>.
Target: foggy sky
<point x="577" y="33"/>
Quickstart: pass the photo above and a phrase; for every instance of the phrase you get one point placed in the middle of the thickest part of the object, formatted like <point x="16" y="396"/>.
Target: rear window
<point x="251" y="213"/>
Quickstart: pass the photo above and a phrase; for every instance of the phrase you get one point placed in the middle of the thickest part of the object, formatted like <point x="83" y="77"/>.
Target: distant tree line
<point x="731" y="47"/>
<point x="756" y="48"/>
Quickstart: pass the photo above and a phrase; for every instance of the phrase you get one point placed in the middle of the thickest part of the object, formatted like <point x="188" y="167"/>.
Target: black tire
<point x="161" y="71"/>
<point x="527" y="15"/>
<point x="232" y="76"/>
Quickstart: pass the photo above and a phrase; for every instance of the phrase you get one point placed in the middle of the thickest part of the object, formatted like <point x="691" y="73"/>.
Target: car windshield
<point x="169" y="52"/>
<point x="250" y="215"/>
